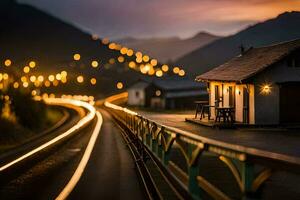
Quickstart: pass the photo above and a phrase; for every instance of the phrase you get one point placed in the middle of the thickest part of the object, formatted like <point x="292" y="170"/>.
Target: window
<point x="293" y="62"/>
<point x="290" y="62"/>
<point x="137" y="94"/>
<point x="297" y="62"/>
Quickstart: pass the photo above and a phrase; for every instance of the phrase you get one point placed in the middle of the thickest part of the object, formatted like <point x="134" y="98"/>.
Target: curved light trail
<point x="58" y="101"/>
<point x="83" y="162"/>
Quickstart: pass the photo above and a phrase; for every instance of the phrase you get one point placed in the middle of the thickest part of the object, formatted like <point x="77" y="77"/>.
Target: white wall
<point x="133" y="100"/>
<point x="239" y="102"/>
<point x="251" y="104"/>
<point x="223" y="88"/>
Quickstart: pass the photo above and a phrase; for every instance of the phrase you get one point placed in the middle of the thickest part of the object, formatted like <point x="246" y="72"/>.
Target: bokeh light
<point x="120" y="85"/>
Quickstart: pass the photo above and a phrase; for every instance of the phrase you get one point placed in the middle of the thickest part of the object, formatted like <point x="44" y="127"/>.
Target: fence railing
<point x="192" y="159"/>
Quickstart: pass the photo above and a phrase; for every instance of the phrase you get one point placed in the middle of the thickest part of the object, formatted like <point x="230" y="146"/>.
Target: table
<point x="199" y="107"/>
<point x="205" y="108"/>
<point x="227" y="113"/>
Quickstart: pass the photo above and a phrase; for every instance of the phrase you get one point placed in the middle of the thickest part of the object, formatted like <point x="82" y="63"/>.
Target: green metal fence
<point x="247" y="169"/>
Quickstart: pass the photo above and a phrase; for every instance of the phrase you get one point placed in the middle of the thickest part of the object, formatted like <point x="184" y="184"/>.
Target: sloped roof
<point x="189" y="93"/>
<point x="250" y="63"/>
<point x="139" y="85"/>
<point x="177" y="84"/>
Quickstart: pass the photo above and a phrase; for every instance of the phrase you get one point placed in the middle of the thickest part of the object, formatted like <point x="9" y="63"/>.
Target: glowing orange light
<point x="7" y="62"/>
<point x="120" y="85"/>
<point x="51" y="78"/>
<point x="151" y="71"/>
<point x="112" y="46"/>
<point x="153" y="62"/>
<point x="25" y="84"/>
<point x="139" y="59"/>
<point x="64" y="73"/>
<point x="176" y="70"/>
<point x="33" y="92"/>
<point x="40" y="78"/>
<point x="93" y="81"/>
<point x="6" y="97"/>
<point x="159" y="73"/>
<point x="132" y="64"/>
<point x="32" y="78"/>
<point x="58" y="77"/>
<point x="55" y="83"/>
<point x="16" y="85"/>
<point x="76" y="56"/>
<point x="121" y="59"/>
<point x="23" y="79"/>
<point x="158" y="93"/>
<point x="32" y="64"/>
<point x="146" y="58"/>
<point x="26" y="69"/>
<point x="181" y="72"/>
<point x="5" y="76"/>
<point x="64" y="80"/>
<point x="37" y="84"/>
<point x="143" y="69"/>
<point x="138" y="54"/>
<point x="80" y="79"/>
<point x="47" y="83"/>
<point x="266" y="89"/>
<point x="94" y="63"/>
<point x="124" y="50"/>
<point x="129" y="52"/>
<point x="165" y="68"/>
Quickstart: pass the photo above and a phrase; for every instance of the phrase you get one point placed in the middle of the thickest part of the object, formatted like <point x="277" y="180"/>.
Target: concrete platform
<point x="210" y="123"/>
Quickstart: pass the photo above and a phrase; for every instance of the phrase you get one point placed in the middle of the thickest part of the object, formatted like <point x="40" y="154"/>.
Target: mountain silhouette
<point x="284" y="27"/>
<point x="169" y="48"/>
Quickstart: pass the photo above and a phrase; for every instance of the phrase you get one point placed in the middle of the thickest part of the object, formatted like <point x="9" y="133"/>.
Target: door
<point x="217" y="96"/>
<point x="290" y="103"/>
<point x="245" y="106"/>
<point x="231" y="96"/>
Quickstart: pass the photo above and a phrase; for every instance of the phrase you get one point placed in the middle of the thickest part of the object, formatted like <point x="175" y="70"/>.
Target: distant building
<point x="262" y="84"/>
<point x="166" y="93"/>
<point x="137" y="93"/>
<point x="174" y="93"/>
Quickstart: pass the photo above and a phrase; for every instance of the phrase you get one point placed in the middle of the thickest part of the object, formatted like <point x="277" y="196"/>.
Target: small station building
<point x="261" y="84"/>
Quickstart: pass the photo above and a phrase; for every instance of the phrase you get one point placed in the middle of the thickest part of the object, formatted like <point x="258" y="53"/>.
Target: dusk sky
<point x="162" y="18"/>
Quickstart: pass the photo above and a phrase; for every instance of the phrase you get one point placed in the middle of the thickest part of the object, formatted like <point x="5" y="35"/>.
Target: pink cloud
<point x="144" y="18"/>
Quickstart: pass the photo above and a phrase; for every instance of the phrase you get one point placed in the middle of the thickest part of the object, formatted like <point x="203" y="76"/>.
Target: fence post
<point x="248" y="175"/>
<point x="193" y="172"/>
<point x="153" y="142"/>
<point x="165" y="157"/>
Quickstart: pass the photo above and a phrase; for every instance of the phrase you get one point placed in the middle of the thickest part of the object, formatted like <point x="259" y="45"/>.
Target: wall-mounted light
<point x="157" y="93"/>
<point x="266" y="89"/>
<point x="237" y="91"/>
<point x="225" y="90"/>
